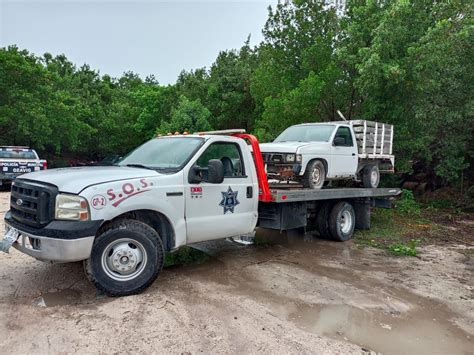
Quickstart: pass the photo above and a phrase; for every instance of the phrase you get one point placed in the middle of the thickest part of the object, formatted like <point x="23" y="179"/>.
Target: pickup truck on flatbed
<point x="15" y="160"/>
<point x="169" y="192"/>
<point x="315" y="153"/>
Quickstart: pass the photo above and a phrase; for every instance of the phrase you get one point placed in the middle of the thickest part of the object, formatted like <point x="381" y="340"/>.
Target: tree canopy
<point x="408" y="63"/>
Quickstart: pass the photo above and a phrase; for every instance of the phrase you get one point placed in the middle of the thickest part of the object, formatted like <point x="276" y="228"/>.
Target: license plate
<point x="11" y="236"/>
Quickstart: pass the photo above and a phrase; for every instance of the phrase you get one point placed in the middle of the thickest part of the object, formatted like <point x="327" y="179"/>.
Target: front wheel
<point x="314" y="175"/>
<point x="126" y="258"/>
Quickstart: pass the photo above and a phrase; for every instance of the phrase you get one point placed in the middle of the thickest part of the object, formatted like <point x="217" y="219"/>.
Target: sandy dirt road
<point x="301" y="296"/>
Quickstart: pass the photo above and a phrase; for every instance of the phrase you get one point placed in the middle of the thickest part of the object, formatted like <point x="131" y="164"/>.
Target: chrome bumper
<point x="53" y="249"/>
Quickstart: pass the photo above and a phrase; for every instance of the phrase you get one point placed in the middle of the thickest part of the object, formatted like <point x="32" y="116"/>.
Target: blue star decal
<point x="229" y="200"/>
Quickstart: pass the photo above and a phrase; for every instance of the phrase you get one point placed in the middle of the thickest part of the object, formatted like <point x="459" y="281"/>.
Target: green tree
<point x="188" y="116"/>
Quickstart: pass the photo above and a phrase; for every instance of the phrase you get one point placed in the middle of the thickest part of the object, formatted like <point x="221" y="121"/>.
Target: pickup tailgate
<point x="17" y="161"/>
<point x="17" y="167"/>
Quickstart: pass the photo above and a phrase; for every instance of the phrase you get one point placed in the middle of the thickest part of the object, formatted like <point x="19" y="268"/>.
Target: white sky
<point x="147" y="37"/>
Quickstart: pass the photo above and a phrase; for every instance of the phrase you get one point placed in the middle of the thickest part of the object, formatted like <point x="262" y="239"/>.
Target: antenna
<point x="341" y="115"/>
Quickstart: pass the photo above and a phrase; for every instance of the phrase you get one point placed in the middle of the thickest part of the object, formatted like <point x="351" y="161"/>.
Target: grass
<point x="186" y="256"/>
<point x="401" y="230"/>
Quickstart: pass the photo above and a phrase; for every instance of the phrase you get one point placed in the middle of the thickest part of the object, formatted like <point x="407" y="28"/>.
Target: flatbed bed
<point x="282" y="195"/>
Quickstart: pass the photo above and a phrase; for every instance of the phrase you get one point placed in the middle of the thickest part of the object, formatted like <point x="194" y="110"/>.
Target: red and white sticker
<point x="98" y="202"/>
<point x="196" y="191"/>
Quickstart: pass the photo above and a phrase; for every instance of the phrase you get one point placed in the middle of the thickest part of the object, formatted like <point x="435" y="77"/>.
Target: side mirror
<point x="215" y="171"/>
<point x="338" y="141"/>
<point x="195" y="175"/>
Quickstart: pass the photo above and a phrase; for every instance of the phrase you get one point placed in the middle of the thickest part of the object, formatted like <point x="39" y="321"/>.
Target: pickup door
<point x="215" y="211"/>
<point x="344" y="157"/>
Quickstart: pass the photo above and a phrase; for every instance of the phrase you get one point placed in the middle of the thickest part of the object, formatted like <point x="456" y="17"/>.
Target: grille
<point x="32" y="203"/>
<point x="272" y="158"/>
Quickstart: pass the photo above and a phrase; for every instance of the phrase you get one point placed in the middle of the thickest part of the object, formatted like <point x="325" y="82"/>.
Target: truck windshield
<point x="167" y="154"/>
<point x="17" y="154"/>
<point x="306" y="133"/>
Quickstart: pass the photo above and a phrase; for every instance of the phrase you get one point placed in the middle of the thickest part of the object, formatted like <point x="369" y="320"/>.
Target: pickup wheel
<point x="126" y="258"/>
<point x="342" y="221"/>
<point x="314" y="175"/>
<point x="371" y="176"/>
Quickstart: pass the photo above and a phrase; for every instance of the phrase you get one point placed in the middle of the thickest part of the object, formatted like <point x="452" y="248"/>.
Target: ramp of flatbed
<point x="296" y="195"/>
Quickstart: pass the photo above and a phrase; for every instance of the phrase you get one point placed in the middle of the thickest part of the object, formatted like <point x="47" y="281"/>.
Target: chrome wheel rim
<point x="374" y="176"/>
<point x="346" y="222"/>
<point x="316" y="176"/>
<point x="124" y="259"/>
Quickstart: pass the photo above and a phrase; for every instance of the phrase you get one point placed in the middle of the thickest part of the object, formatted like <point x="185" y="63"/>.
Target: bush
<point x="407" y="203"/>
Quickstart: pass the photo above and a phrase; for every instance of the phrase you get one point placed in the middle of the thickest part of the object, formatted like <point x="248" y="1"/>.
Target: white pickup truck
<point x="16" y="160"/>
<point x="314" y="153"/>
<point x="169" y="192"/>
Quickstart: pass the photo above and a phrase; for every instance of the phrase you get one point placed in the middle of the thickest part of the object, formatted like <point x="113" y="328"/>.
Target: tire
<point x="371" y="176"/>
<point x="322" y="219"/>
<point x="342" y="221"/>
<point x="126" y="258"/>
<point x="314" y="175"/>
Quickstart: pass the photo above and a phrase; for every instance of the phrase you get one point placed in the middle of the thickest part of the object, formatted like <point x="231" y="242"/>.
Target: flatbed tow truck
<point x="172" y="191"/>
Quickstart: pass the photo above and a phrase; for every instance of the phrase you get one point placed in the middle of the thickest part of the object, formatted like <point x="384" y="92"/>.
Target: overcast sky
<point x="147" y="36"/>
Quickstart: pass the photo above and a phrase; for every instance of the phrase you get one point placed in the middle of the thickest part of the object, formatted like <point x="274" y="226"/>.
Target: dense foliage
<point x="403" y="62"/>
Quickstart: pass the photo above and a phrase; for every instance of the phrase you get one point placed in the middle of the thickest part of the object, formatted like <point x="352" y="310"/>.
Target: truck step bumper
<point x="54" y="249"/>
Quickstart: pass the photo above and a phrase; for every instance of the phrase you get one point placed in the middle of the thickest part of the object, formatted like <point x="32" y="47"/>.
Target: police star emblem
<point x="229" y="200"/>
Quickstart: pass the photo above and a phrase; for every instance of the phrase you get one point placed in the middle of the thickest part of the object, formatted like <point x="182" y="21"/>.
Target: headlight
<point x="299" y="158"/>
<point x="71" y="207"/>
<point x="290" y="158"/>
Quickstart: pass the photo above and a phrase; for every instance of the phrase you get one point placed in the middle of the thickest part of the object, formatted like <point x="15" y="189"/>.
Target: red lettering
<point x="111" y="194"/>
<point x="128" y="188"/>
<point x="144" y="183"/>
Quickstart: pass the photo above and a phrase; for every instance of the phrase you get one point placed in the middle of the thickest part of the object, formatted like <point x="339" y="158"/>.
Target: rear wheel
<point x="322" y="219"/>
<point x="342" y="221"/>
<point x="314" y="175"/>
<point x="126" y="258"/>
<point x="371" y="176"/>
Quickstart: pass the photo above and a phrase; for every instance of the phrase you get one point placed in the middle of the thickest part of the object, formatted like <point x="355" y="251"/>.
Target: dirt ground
<point x="303" y="295"/>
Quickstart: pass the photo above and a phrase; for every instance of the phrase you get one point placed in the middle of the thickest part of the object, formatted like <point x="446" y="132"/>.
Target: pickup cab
<point x="315" y="153"/>
<point x="15" y="160"/>
<point x="169" y="192"/>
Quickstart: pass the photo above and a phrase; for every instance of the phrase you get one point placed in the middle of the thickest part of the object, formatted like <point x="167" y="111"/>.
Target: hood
<point x="74" y="180"/>
<point x="289" y="147"/>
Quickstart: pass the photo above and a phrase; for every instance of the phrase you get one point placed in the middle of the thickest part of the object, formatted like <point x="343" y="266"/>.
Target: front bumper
<point x="59" y="241"/>
<point x="283" y="170"/>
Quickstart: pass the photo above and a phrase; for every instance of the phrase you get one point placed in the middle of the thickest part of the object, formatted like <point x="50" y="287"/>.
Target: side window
<point x="345" y="133"/>
<point x="230" y="156"/>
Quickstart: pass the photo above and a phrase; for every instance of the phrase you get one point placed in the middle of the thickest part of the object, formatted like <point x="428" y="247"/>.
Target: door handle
<point x="249" y="191"/>
<point x="353" y="154"/>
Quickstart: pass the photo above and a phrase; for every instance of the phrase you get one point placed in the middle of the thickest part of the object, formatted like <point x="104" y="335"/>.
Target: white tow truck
<point x="169" y="192"/>
<point x="315" y="153"/>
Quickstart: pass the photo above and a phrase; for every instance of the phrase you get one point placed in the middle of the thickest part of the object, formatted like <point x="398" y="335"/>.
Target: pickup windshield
<point x="17" y="154"/>
<point x="306" y="133"/>
<point x="166" y="154"/>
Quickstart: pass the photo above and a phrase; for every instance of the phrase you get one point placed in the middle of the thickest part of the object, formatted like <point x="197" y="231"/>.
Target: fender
<point x="163" y="194"/>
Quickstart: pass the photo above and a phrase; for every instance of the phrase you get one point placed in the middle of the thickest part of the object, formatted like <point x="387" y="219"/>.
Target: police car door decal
<point x="229" y="200"/>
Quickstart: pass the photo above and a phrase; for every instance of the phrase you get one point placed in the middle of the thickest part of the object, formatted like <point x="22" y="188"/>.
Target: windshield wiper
<point x="139" y="166"/>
